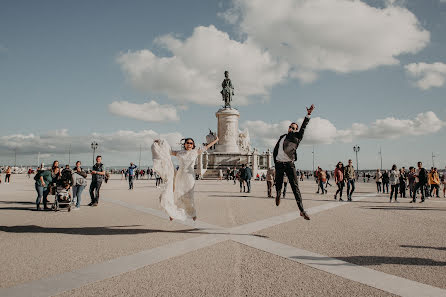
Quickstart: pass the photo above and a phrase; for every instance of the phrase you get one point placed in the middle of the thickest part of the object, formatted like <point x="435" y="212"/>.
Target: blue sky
<point x="63" y="63"/>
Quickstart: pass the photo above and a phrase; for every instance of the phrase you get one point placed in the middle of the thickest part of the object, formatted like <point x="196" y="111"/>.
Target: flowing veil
<point x="162" y="164"/>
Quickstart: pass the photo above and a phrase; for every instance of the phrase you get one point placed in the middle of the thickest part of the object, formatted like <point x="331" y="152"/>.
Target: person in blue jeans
<point x="43" y="179"/>
<point x="79" y="184"/>
<point x="247" y="177"/>
<point x="131" y="175"/>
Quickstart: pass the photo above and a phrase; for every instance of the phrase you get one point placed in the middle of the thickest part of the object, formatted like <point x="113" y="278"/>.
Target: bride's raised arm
<point x="208" y="146"/>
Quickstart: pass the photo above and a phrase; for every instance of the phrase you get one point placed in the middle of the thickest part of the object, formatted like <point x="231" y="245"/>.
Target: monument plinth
<point x="227" y="130"/>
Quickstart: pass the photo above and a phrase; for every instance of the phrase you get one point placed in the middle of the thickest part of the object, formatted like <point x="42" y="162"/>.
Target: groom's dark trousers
<point x="289" y="169"/>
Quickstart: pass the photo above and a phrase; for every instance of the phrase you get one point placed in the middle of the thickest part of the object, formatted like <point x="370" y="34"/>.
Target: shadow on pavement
<point x="405" y="208"/>
<point x="375" y="260"/>
<point x="112" y="230"/>
<point x="424" y="247"/>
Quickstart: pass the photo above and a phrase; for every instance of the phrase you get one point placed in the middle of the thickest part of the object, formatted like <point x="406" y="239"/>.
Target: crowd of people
<point x="56" y="180"/>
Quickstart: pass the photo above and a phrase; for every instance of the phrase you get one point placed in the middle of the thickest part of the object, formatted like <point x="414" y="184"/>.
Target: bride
<point x="177" y="199"/>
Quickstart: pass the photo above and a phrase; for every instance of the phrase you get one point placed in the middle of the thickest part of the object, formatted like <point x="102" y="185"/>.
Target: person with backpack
<point x="79" y="184"/>
<point x="420" y="182"/>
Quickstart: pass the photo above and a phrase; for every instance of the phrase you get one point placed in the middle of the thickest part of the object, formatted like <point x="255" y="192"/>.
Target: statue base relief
<point x="227" y="130"/>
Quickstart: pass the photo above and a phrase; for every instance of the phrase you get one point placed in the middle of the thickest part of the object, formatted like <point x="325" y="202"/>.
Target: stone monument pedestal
<point x="227" y="131"/>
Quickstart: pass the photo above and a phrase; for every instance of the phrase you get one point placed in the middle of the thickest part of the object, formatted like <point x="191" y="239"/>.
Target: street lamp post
<point x="356" y="150"/>
<point x="381" y="155"/>
<point x="94" y="146"/>
<point x="313" y="159"/>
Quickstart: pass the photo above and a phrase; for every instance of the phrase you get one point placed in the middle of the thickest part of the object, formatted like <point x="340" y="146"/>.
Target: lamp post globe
<point x="94" y="146"/>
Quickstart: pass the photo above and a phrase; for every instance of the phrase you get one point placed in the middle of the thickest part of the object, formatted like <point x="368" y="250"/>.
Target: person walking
<point x="394" y="179"/>
<point x="379" y="180"/>
<point x="420" y="182"/>
<point x="349" y="177"/>
<point x="386" y="181"/>
<point x="97" y="176"/>
<point x="322" y="180"/>
<point x="248" y="177"/>
<point x="79" y="184"/>
<point x="132" y="169"/>
<point x="339" y="180"/>
<point x="270" y="176"/>
<point x="284" y="155"/>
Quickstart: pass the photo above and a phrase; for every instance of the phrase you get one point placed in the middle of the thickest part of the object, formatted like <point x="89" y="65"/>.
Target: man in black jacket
<point x="420" y="182"/>
<point x="284" y="157"/>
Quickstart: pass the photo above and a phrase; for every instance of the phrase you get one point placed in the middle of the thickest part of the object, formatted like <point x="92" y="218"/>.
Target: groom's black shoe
<point x="305" y="215"/>
<point x="277" y="199"/>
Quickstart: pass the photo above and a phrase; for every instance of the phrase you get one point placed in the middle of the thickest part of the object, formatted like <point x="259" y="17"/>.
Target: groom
<point x="284" y="157"/>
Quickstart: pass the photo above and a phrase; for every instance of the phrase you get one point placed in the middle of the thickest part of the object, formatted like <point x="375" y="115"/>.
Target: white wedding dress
<point x="177" y="199"/>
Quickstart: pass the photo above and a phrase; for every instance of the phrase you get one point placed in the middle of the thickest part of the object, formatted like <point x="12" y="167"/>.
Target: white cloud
<point x="149" y="112"/>
<point x="322" y="131"/>
<point x="58" y="142"/>
<point x="341" y="36"/>
<point x="389" y="128"/>
<point x="428" y="75"/>
<point x="194" y="71"/>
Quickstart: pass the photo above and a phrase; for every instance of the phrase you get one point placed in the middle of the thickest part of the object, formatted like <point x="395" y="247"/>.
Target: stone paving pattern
<point x="396" y="239"/>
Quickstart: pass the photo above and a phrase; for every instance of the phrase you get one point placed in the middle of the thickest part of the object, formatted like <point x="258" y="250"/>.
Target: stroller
<point x="62" y="198"/>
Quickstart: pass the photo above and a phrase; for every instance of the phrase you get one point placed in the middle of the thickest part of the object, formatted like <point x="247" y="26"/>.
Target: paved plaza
<point x="241" y="244"/>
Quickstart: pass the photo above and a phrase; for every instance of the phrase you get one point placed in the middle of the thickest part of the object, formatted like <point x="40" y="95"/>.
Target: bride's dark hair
<point x="184" y="140"/>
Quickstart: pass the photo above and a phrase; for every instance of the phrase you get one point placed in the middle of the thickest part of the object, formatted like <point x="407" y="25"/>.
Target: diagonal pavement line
<point x="373" y="278"/>
<point x="277" y="220"/>
<point x="97" y="272"/>
<point x="162" y="214"/>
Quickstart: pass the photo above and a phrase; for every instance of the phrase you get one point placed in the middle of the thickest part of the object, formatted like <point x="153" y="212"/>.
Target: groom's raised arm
<point x="305" y="122"/>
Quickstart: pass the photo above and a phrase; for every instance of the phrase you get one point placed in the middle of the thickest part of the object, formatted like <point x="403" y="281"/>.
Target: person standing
<point x="242" y="178"/>
<point x="394" y="179"/>
<point x="131" y="169"/>
<point x="434" y="181"/>
<point x="8" y="175"/>
<point x="420" y="182"/>
<point x="403" y="182"/>
<point x="386" y="181"/>
<point x="43" y="180"/>
<point x="247" y="178"/>
<point x="349" y="176"/>
<point x="284" y="155"/>
<point x="79" y="184"/>
<point x="322" y="177"/>
<point x="379" y="180"/>
<point x="339" y="180"/>
<point x="97" y="176"/>
<point x="411" y="180"/>
<point x="443" y="181"/>
<point x="270" y="175"/>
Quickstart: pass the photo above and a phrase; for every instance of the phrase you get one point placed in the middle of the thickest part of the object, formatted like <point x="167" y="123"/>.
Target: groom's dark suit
<point x="290" y="144"/>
